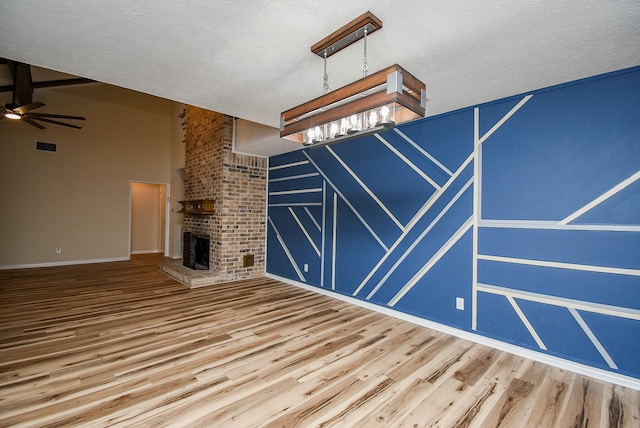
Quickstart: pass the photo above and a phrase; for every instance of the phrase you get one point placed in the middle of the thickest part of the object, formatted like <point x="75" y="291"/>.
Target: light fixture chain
<point x="365" y="64"/>
<point x="325" y="77"/>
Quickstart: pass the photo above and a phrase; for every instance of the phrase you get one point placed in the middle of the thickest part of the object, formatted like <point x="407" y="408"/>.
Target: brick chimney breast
<point x="238" y="185"/>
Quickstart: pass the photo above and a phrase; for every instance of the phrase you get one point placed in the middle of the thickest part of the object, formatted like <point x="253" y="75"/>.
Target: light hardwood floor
<point x="122" y="344"/>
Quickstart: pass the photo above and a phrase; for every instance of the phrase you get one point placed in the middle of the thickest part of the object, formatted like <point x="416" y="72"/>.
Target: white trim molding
<point x="65" y="263"/>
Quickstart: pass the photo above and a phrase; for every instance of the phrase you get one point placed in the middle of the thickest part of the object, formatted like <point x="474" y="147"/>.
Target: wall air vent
<point x="43" y="146"/>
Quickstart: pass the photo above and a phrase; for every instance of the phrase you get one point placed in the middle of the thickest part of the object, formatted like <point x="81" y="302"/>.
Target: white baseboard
<point x="65" y="263"/>
<point x="619" y="379"/>
<point x="156" y="251"/>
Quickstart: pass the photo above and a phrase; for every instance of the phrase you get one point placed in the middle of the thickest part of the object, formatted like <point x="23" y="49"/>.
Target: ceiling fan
<point x="23" y="93"/>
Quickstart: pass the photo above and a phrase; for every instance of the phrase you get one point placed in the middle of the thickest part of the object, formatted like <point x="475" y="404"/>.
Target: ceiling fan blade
<point x="57" y="116"/>
<point x="43" y="119"/>
<point x="29" y="107"/>
<point x="32" y="123"/>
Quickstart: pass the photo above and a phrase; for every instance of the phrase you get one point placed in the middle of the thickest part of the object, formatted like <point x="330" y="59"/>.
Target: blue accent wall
<point x="528" y="208"/>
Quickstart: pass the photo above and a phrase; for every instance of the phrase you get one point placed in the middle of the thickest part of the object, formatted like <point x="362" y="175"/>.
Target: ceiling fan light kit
<point x="9" y="114"/>
<point x="24" y="113"/>
<point x="23" y="87"/>
<point x="375" y="103"/>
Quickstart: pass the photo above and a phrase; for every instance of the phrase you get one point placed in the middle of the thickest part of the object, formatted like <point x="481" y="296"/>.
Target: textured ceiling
<point x="252" y="59"/>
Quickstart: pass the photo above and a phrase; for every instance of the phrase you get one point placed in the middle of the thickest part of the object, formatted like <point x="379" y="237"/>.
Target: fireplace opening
<point x="201" y="257"/>
<point x="195" y="253"/>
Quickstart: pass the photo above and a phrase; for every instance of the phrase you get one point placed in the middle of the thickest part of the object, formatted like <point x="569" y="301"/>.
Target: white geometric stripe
<point x="366" y="188"/>
<point x="526" y="323"/>
<point x="593" y="339"/>
<point x="419" y="238"/>
<point x="286" y="251"/>
<point x="416" y="218"/>
<point x="602" y="198"/>
<point x="597" y="308"/>
<point x="313" y="244"/>
<point x="560" y="265"/>
<point x="409" y="163"/>
<point x="432" y="262"/>
<point x="504" y="119"/>
<point x="346" y="201"/>
<point x="423" y="151"/>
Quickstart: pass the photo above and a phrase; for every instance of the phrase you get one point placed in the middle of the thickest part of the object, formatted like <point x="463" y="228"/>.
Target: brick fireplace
<point x="237" y="184"/>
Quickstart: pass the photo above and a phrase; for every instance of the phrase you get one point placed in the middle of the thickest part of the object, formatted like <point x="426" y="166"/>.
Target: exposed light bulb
<point x="334" y="129"/>
<point x="344" y="125"/>
<point x="353" y="124"/>
<point x="373" y="118"/>
<point x="318" y="133"/>
<point x="384" y="112"/>
<point x="310" y="135"/>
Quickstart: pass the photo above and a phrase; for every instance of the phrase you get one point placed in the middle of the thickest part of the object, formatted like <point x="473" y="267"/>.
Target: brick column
<point x="237" y="183"/>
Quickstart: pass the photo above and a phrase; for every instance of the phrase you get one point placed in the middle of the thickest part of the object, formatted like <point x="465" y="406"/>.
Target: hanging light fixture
<point x="375" y="103"/>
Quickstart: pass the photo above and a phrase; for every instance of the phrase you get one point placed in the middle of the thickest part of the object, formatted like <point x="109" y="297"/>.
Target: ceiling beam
<point x="52" y="83"/>
<point x="21" y="74"/>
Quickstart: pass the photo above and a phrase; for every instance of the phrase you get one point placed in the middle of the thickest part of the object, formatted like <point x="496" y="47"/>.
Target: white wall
<point x="177" y="182"/>
<point x="78" y="198"/>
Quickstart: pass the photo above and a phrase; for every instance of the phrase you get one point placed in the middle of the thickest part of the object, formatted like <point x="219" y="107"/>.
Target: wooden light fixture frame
<point x="347" y="35"/>
<point x="392" y="85"/>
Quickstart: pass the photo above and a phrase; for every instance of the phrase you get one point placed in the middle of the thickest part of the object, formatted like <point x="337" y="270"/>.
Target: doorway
<point x="148" y="218"/>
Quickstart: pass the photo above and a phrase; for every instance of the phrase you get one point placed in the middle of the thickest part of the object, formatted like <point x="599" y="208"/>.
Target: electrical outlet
<point x="460" y="303"/>
<point x="58" y="250"/>
<point x="306" y="267"/>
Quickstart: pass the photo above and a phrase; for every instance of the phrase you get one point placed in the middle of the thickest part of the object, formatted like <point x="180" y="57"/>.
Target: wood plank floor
<point x="122" y="344"/>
